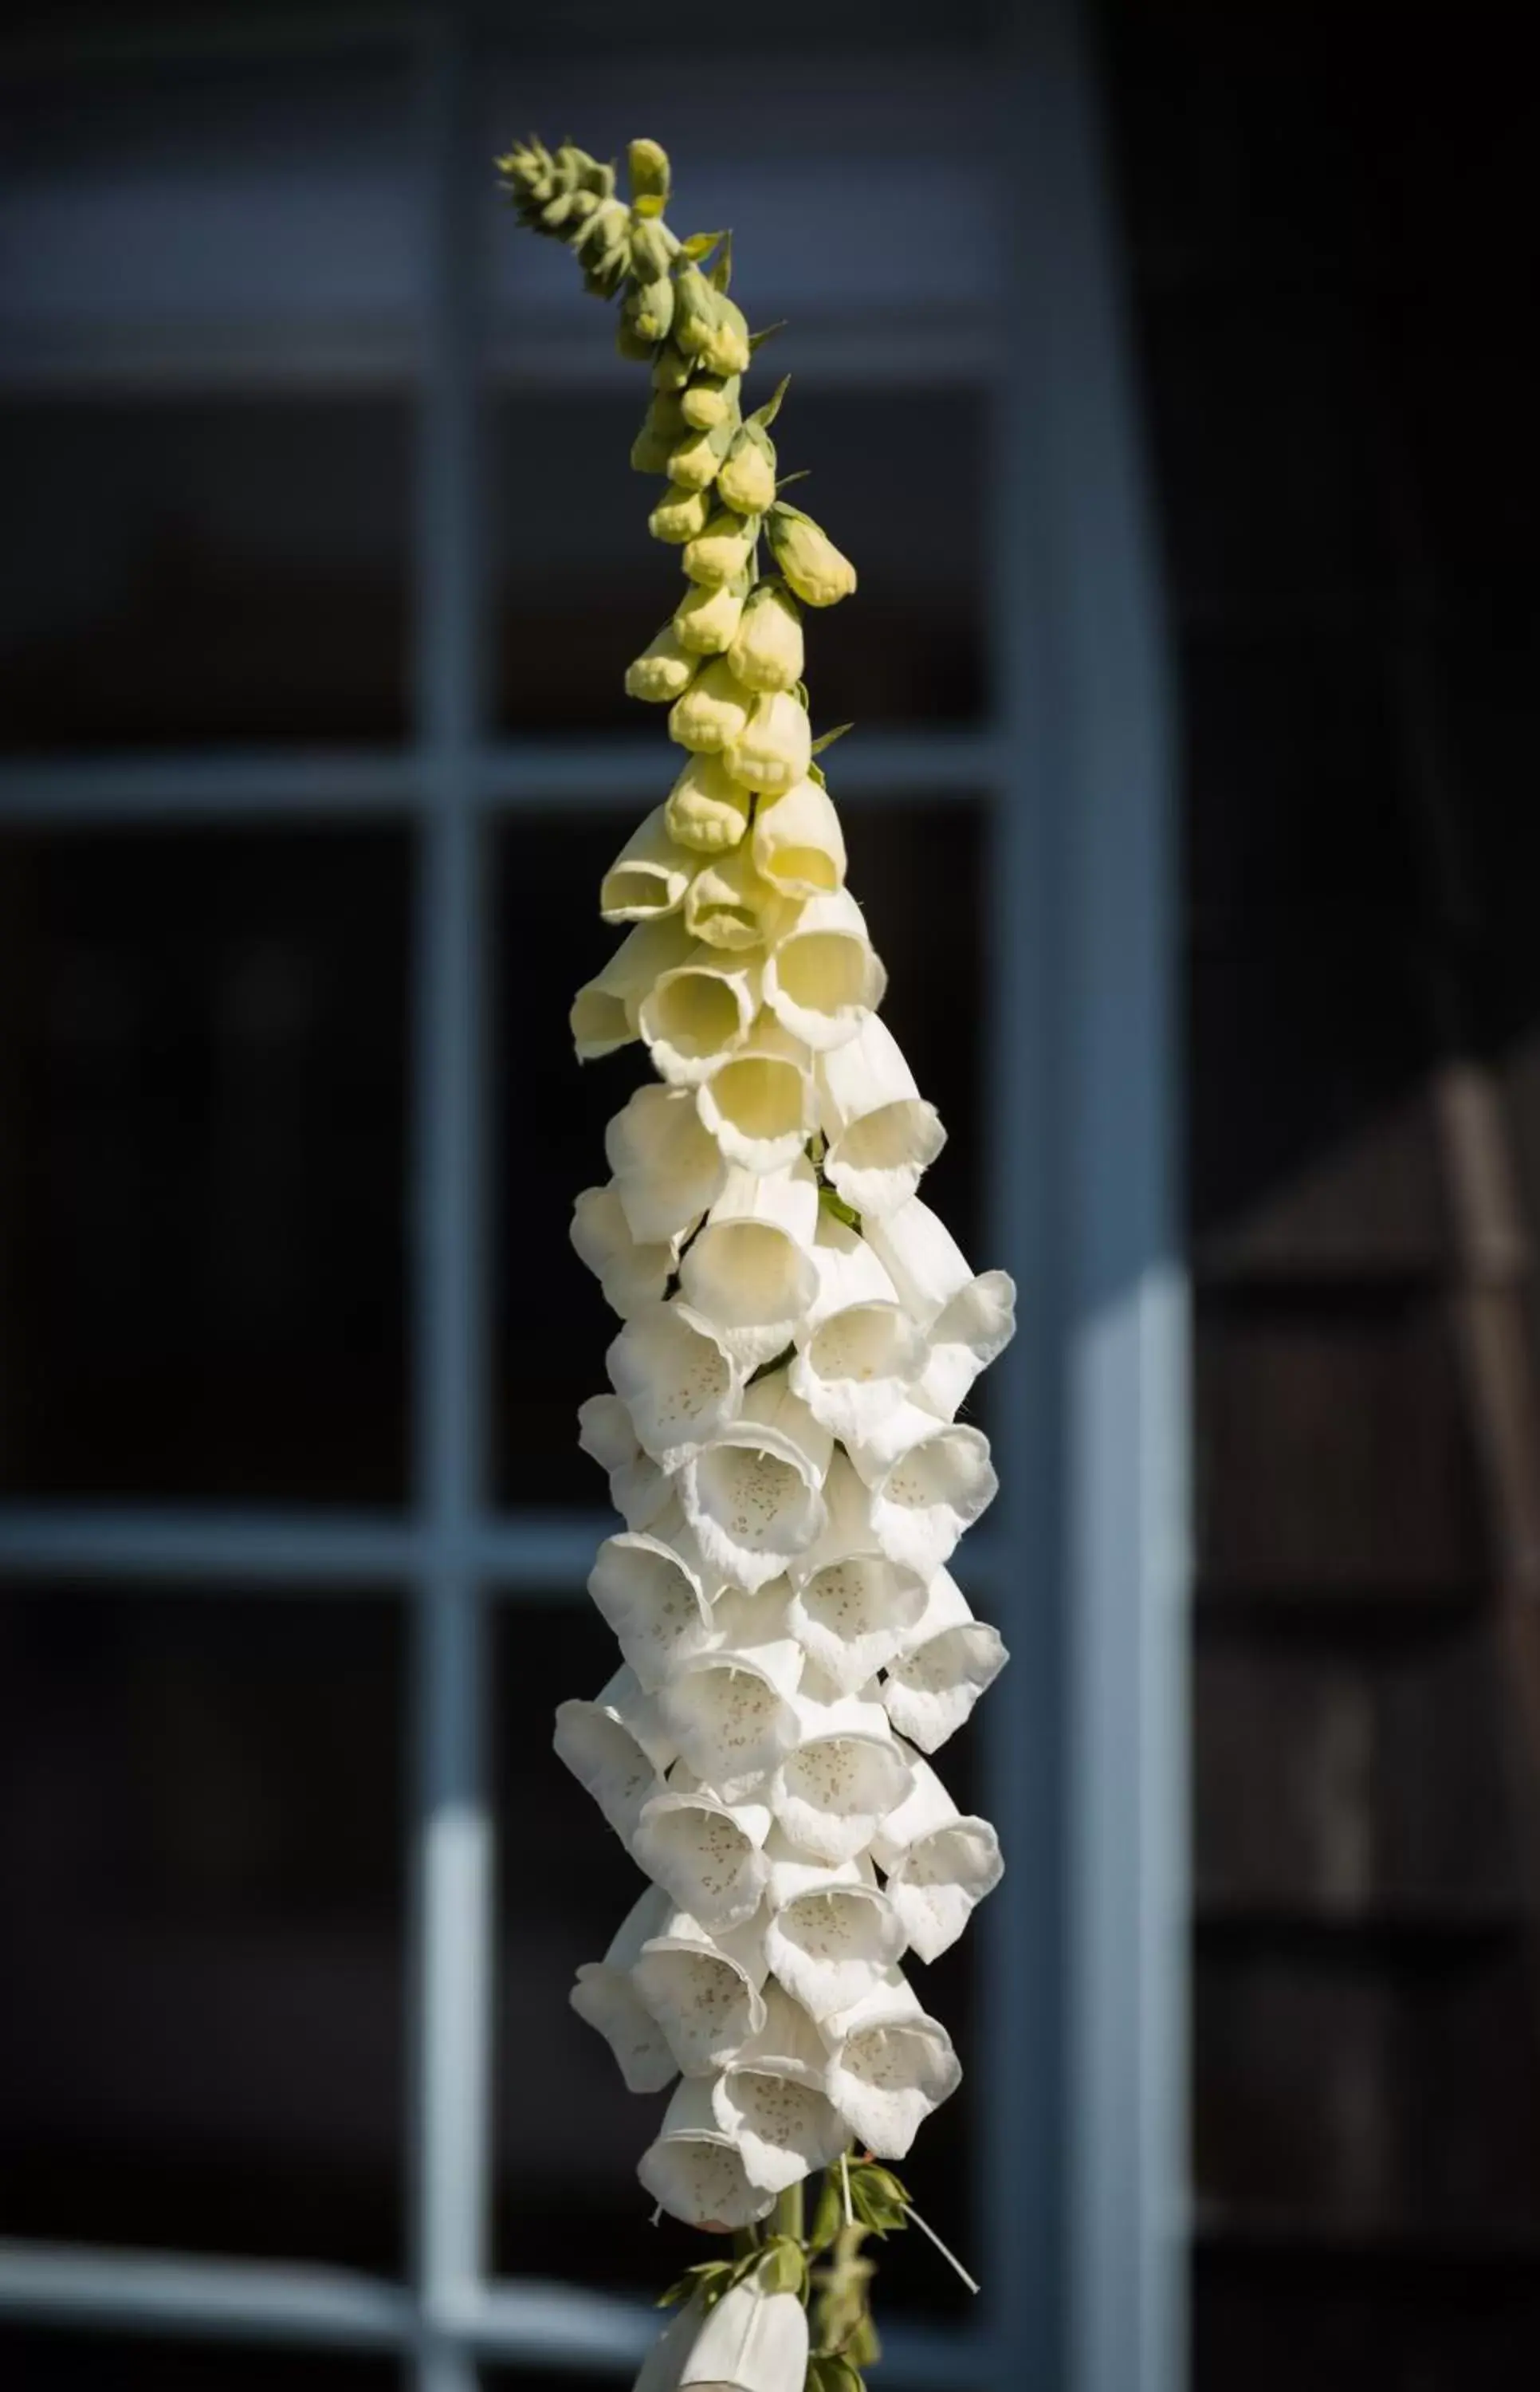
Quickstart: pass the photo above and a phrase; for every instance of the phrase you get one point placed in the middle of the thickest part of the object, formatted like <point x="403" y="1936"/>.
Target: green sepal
<point x="699" y="2279"/>
<point x="829" y="2216"/>
<point x="783" y="2268"/>
<point x="865" y="2348"/>
<point x="765" y="416"/>
<point x="816" y="772"/>
<point x="877" y="2196"/>
<point x="828" y="2372"/>
<point x="827" y="738"/>
<point x="721" y="271"/>
<point x="700" y="245"/>
<point x="757" y="340"/>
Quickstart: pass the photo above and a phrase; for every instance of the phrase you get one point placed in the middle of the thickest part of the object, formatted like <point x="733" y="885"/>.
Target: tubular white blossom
<point x="752" y="2341"/>
<point x="646" y="1593"/>
<point x="606" y="1998"/>
<point x="823" y="978"/>
<point x="696" y="2171"/>
<point x="882" y="1134"/>
<point x="708" y="1855"/>
<point x="770" y="2097"/>
<point x="751" y="1270"/>
<point x="890" y="2067"/>
<point x="830" y="1936"/>
<point x="668" y="1169"/>
<point x="695" y="1014"/>
<point x="760" y="1105"/>
<point x="799" y="844"/>
<point x="649" y="877"/>
<point x="605" y="1011"/>
<point x="671" y="1370"/>
<point x="931" y="1691"/>
<point x="702" y="1989"/>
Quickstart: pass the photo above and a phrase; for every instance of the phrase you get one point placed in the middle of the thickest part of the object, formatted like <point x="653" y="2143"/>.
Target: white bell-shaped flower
<point x="889" y="2068"/>
<point x="752" y="2341"/>
<point x="922" y="1257"/>
<point x="605" y="1997"/>
<point x="638" y="1489"/>
<point x="831" y="1934"/>
<point x="928" y="1482"/>
<point x="707" y="1854"/>
<point x="731" y="1712"/>
<point x="630" y="1274"/>
<point x="832" y="1794"/>
<point x="932" y="1689"/>
<point x="752" y="1491"/>
<point x="751" y="1269"/>
<point x="968" y="1334"/>
<point x="729" y="906"/>
<point x="760" y="1105"/>
<point x="822" y="976"/>
<point x="698" y="1013"/>
<point x="668" y="1167"/>
<point x="852" y="1608"/>
<point x="702" y="1989"/>
<point x="770" y="2097"/>
<point x="939" y="1880"/>
<point x="798" y="845"/>
<point x="697" y="2172"/>
<point x="605" y="1009"/>
<point x="608" y="1753"/>
<point x="882" y="1134"/>
<point x="653" y="1602"/>
<point x="673" y="1373"/>
<point x="858" y="1366"/>
<point x="649" y="877"/>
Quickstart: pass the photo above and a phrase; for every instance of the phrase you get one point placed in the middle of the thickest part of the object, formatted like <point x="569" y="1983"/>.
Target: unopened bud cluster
<point x="798" y="1332"/>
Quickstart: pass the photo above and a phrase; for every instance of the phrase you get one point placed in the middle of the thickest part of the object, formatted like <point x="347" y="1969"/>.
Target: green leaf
<point x="827" y="738"/>
<point x="864" y="2348"/>
<point x="700" y="245"/>
<point x="786" y="480"/>
<point x="757" y="340"/>
<point x="827" y="2372"/>
<point x="697" y="2278"/>
<point x="721" y="272"/>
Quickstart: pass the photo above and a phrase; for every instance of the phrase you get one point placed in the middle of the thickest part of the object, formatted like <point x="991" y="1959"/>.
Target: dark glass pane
<point x="200" y="1823"/>
<point x="568" y="2134"/>
<point x="553" y="1327"/>
<point x="203" y="570"/>
<point x="39" y="2360"/>
<point x="580" y="587"/>
<point x="202" y="1242"/>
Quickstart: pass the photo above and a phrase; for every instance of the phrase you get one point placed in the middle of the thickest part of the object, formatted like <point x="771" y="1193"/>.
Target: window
<point x="326" y="563"/>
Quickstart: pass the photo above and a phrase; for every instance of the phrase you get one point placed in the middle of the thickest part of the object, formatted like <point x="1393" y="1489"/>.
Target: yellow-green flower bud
<point x="663" y="428"/>
<point x="694" y="312"/>
<point x="653" y="251"/>
<point x="725" y="348"/>
<point x="722" y="549"/>
<point x="747" y="479"/>
<point x="774" y="748"/>
<point x="767" y="648"/>
<point x="650" y="311"/>
<point x="706" y="618"/>
<point x="664" y="671"/>
<point x="706" y="808"/>
<point x="671" y="370"/>
<point x="710" y="399"/>
<point x="713" y="711"/>
<point x="680" y="515"/>
<point x="647" y="163"/>
<point x="807" y="557"/>
<point x="648" y="454"/>
<point x="697" y="460"/>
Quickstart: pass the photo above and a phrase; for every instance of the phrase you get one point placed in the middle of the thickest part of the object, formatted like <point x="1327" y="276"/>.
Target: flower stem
<point x="787" y="2216"/>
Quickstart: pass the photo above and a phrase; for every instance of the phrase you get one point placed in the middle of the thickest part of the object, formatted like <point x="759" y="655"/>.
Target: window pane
<point x="203" y="570"/>
<point x="204" y="1100"/>
<point x="552" y="1326"/>
<point x="200" y="1820"/>
<point x="908" y="646"/>
<point x="568" y="2134"/>
<point x="38" y="2360"/>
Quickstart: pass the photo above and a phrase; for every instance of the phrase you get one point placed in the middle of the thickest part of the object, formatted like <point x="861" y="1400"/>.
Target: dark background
<point x="1327" y="222"/>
